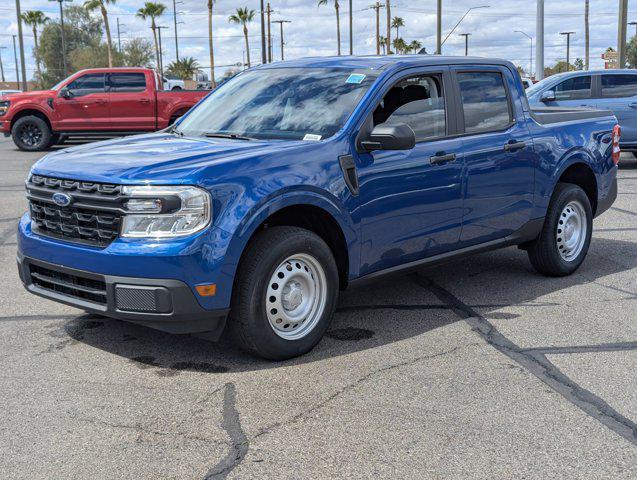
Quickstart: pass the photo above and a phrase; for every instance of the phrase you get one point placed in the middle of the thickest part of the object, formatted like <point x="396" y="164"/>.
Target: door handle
<point x="512" y="146"/>
<point x="144" y="100"/>
<point x="632" y="105"/>
<point x="442" y="157"/>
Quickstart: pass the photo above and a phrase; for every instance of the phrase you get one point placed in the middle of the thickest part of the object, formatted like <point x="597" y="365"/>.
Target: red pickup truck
<point x="97" y="101"/>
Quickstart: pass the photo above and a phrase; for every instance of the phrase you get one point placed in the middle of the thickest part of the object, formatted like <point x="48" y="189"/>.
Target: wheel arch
<point x="579" y="172"/>
<point x="25" y="112"/>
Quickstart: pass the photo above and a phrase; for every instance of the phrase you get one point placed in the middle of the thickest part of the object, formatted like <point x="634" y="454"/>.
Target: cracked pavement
<point x="476" y="369"/>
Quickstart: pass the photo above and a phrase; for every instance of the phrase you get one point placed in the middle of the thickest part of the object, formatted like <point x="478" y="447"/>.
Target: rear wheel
<point x="31" y="134"/>
<point x="285" y="293"/>
<point x="566" y="235"/>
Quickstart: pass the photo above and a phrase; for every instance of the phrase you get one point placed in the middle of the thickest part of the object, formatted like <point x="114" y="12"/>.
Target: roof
<point x="383" y="62"/>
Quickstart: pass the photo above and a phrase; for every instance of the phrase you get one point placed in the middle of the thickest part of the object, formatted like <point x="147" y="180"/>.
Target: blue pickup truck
<point x="295" y="180"/>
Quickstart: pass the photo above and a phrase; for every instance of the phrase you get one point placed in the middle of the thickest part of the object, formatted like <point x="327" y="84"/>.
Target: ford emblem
<point x="62" y="199"/>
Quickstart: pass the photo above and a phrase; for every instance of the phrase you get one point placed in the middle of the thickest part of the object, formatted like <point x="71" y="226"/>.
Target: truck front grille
<point x="84" y="288"/>
<point x="92" y="217"/>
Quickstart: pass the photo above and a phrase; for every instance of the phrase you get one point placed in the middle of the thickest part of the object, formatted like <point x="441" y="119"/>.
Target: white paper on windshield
<point x="312" y="137"/>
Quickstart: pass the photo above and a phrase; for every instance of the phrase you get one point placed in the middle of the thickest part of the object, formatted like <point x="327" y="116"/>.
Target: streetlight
<point x="15" y="57"/>
<point x="635" y="24"/>
<point x="281" y="22"/>
<point x="439" y="52"/>
<point x="531" y="56"/>
<point x="466" y="43"/>
<point x="175" y="2"/>
<point x="62" y="30"/>
<point x="568" y="49"/>
<point x="119" y="40"/>
<point x="21" y="39"/>
<point x="161" y="52"/>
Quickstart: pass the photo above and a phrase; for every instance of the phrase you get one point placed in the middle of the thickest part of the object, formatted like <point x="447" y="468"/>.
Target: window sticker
<point x="311" y="137"/>
<point x="355" y="78"/>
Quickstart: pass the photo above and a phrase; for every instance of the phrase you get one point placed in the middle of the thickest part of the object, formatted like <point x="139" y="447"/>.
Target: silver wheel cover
<point x="296" y="296"/>
<point x="571" y="231"/>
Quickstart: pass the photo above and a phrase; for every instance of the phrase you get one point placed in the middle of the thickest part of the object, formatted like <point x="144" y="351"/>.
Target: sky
<point x="313" y="29"/>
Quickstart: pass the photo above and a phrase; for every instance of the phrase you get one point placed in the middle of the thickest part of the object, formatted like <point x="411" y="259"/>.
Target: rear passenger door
<point x="410" y="201"/>
<point x="132" y="102"/>
<point x="619" y="94"/>
<point x="498" y="154"/>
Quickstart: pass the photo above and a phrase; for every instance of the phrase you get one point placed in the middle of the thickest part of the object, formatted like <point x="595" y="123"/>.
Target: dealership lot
<point x="477" y="369"/>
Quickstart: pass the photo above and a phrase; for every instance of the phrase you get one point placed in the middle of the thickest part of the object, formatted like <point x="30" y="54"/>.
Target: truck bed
<point x="549" y="115"/>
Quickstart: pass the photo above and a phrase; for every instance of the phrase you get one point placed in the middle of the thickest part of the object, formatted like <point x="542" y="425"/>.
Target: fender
<point x="259" y="213"/>
<point x="21" y="107"/>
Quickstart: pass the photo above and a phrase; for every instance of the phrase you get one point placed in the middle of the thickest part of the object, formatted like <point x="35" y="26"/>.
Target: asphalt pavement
<point x="478" y="369"/>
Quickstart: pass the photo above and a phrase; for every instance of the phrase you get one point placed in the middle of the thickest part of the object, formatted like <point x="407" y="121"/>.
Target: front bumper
<point x="164" y="304"/>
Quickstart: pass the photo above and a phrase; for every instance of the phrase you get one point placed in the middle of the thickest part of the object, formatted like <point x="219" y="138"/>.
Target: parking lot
<point x="476" y="369"/>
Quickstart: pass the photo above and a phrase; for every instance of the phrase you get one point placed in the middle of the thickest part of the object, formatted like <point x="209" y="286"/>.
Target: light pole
<point x="281" y="22"/>
<point x="161" y="52"/>
<point x="15" y="56"/>
<point x="621" y="33"/>
<point x="269" y="11"/>
<point x="531" y="56"/>
<point x="466" y="43"/>
<point x="1" y="65"/>
<point x="119" y="40"/>
<point x="62" y="33"/>
<point x="351" y="34"/>
<point x="439" y="48"/>
<point x="539" y="41"/>
<point x="388" y="38"/>
<point x="263" y="54"/>
<point x="21" y="40"/>
<point x="635" y="25"/>
<point x="175" y="2"/>
<point x="568" y="49"/>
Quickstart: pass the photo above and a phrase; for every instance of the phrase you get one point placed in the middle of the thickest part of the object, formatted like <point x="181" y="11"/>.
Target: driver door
<point x="86" y="107"/>
<point x="410" y="201"/>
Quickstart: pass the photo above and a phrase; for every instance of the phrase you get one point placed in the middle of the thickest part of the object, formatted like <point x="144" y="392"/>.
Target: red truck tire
<point x="31" y="134"/>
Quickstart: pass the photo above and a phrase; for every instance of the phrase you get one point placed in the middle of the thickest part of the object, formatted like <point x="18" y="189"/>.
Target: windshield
<point x="280" y="103"/>
<point x="540" y="85"/>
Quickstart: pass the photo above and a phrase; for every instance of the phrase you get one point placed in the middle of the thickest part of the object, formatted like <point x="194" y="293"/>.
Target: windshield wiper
<point x="233" y="136"/>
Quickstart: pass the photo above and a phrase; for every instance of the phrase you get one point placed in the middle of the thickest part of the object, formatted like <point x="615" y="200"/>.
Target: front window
<point x="575" y="88"/>
<point x="280" y="103"/>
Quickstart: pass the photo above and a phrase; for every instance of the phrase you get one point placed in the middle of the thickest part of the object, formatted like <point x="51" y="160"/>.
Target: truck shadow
<point x="382" y="313"/>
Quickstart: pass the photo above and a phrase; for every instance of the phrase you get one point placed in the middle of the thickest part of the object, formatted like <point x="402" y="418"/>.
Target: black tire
<point x="176" y="88"/>
<point x="248" y="323"/>
<point x="544" y="252"/>
<point x="31" y="134"/>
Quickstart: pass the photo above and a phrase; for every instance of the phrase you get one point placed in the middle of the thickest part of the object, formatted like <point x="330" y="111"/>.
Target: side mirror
<point x="548" y="96"/>
<point x="390" y="137"/>
<point x="65" y="93"/>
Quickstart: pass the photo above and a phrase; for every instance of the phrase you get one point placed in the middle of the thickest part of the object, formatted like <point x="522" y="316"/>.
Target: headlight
<point x="165" y="212"/>
<point x="4" y="106"/>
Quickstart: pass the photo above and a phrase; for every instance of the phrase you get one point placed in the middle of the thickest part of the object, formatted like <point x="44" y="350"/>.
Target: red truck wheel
<point x="31" y="134"/>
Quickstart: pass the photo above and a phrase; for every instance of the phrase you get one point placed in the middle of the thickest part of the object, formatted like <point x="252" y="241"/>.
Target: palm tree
<point x="396" y="23"/>
<point x="152" y="10"/>
<point x="243" y="17"/>
<point x="91" y="5"/>
<point x="184" y="68"/>
<point x="415" y="45"/>
<point x="210" y="49"/>
<point x="338" y="23"/>
<point x="35" y="18"/>
<point x="383" y="43"/>
<point x="400" y="45"/>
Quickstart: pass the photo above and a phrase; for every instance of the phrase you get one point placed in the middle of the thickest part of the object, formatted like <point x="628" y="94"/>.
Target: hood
<point x="27" y="95"/>
<point x="154" y="158"/>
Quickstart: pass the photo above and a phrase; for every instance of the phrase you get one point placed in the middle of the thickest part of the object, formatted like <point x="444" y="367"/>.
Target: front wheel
<point x="285" y="293"/>
<point x="31" y="134"/>
<point x="566" y="235"/>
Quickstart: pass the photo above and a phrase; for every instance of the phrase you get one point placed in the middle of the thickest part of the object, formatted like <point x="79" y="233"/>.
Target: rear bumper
<point x="163" y="304"/>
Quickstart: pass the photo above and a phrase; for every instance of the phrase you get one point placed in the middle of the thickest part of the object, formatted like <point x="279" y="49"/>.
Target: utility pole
<point x="119" y="39"/>
<point x="66" y="70"/>
<point x="388" y="38"/>
<point x="1" y="65"/>
<point x="466" y="43"/>
<point x="439" y="29"/>
<point x="21" y="40"/>
<point x="175" y="2"/>
<point x="568" y="49"/>
<point x="351" y="30"/>
<point x="161" y="51"/>
<point x="17" y="72"/>
<point x="377" y="6"/>
<point x="269" y="11"/>
<point x="539" y="41"/>
<point x="531" y="55"/>
<point x="621" y="33"/>
<point x="263" y="56"/>
<point x="281" y="22"/>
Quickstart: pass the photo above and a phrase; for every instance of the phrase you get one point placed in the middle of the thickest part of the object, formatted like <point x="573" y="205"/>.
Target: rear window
<point x="127" y="82"/>
<point x="619" y="86"/>
<point x="484" y="101"/>
<point x="574" y="88"/>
